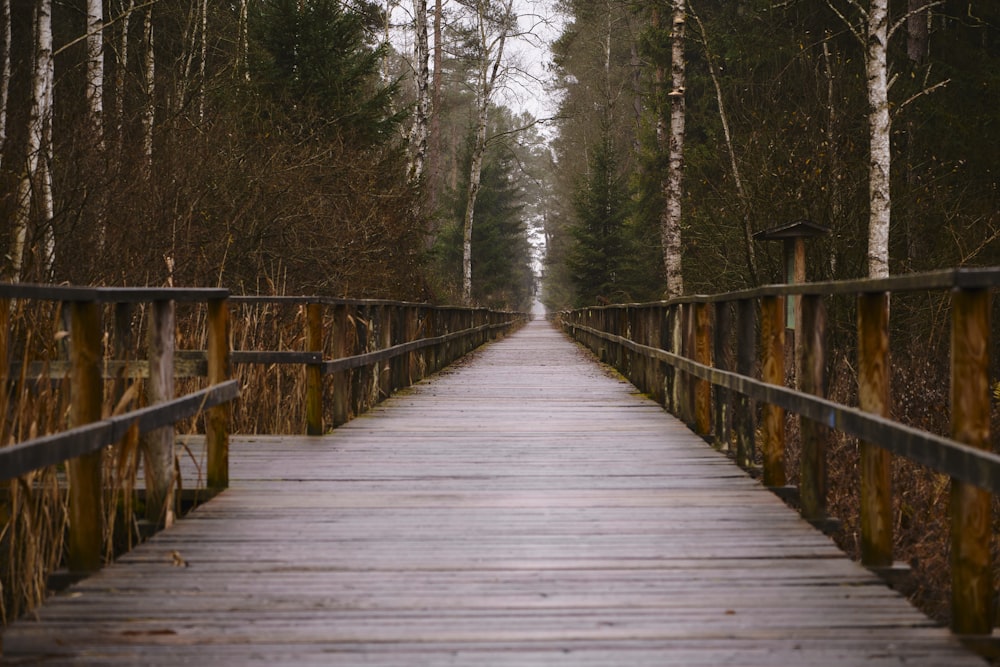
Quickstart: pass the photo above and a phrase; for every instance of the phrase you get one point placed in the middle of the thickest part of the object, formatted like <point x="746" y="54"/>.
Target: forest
<point x="371" y="149"/>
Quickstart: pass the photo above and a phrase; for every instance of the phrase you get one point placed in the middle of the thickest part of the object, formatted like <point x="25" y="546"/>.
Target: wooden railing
<point x="376" y="347"/>
<point x="699" y="356"/>
<point x="372" y="348"/>
<point x="81" y="446"/>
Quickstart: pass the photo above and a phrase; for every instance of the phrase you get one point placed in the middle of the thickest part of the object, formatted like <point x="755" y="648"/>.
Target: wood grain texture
<point x="522" y="508"/>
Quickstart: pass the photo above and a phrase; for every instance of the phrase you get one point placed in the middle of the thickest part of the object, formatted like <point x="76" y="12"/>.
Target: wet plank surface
<point x="524" y="508"/>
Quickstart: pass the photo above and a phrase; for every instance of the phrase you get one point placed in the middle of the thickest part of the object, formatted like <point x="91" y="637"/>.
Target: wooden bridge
<point x="523" y="507"/>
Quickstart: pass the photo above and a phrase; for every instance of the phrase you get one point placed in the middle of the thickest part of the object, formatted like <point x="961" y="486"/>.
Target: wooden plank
<point x="526" y="508"/>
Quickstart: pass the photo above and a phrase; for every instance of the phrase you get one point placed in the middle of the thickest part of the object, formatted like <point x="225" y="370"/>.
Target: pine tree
<point x="598" y="259"/>
<point x="316" y="64"/>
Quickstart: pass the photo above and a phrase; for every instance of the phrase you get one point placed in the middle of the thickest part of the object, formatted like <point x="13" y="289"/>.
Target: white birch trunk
<point x="95" y="101"/>
<point x="95" y="65"/>
<point x="243" y="57"/>
<point x="489" y="69"/>
<point x="880" y="159"/>
<point x="5" y="73"/>
<point x="421" y="57"/>
<point x="670" y="223"/>
<point x="34" y="178"/>
<point x="202" y="61"/>
<point x="434" y="131"/>
<point x="149" y="115"/>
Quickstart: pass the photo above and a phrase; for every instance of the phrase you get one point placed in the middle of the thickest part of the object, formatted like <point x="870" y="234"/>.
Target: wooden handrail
<point x="81" y="446"/>
<point x="24" y="457"/>
<point x="661" y="348"/>
<point x="389" y="336"/>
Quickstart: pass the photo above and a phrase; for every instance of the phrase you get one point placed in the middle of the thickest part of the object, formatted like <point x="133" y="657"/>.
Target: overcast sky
<point x="528" y="91"/>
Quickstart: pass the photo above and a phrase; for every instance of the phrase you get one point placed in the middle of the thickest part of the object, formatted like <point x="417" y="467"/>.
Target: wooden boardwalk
<point x="524" y="508"/>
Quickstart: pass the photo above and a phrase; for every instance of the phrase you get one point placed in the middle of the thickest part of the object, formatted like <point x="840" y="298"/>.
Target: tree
<point x="315" y="60"/>
<point x="34" y="192"/>
<point x="874" y="33"/>
<point x="501" y="254"/>
<point x="493" y="21"/>
<point x="421" y="57"/>
<point x="670" y="222"/>
<point x="597" y="260"/>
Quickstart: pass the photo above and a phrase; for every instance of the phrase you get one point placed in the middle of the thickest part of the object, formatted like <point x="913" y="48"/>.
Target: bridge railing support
<point x="690" y="357"/>
<point x="83" y="446"/>
<point x="368" y="349"/>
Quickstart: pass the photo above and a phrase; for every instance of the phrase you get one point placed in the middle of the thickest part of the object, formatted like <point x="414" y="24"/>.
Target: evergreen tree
<point x="598" y="260"/>
<point x="316" y="64"/>
<point x="501" y="252"/>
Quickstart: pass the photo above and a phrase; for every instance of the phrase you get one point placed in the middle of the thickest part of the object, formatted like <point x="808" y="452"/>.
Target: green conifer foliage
<point x="315" y="61"/>
<point x="597" y="261"/>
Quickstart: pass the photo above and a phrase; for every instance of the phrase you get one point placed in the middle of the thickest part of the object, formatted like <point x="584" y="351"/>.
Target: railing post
<point x="772" y="333"/>
<point x="385" y="370"/>
<point x="703" y="355"/>
<point x="361" y="379"/>
<point x="744" y="417"/>
<point x="812" y="380"/>
<point x="413" y="325"/>
<point x="683" y="380"/>
<point x="86" y="512"/>
<point x="431" y="331"/>
<point x="873" y="396"/>
<point x="341" y="380"/>
<point x="158" y="445"/>
<point x="314" y="372"/>
<point x="972" y="603"/>
<point x="672" y="339"/>
<point x="217" y="420"/>
<point x="721" y="358"/>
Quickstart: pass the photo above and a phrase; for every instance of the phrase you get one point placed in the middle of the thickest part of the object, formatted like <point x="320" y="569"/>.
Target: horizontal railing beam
<point x="30" y="455"/>
<point x="968" y="464"/>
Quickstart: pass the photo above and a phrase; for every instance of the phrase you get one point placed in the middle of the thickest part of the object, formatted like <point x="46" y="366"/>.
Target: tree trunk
<point x="741" y="195"/>
<point x="670" y="221"/>
<point x="95" y="65"/>
<point x="34" y="178"/>
<point x="917" y="34"/>
<point x="434" y="141"/>
<point x="243" y="42"/>
<point x="202" y="60"/>
<point x="879" y="123"/>
<point x="491" y="57"/>
<point x="418" y="134"/>
<point x="5" y="73"/>
<point x="149" y="70"/>
<point x="95" y="107"/>
<point x="121" y="69"/>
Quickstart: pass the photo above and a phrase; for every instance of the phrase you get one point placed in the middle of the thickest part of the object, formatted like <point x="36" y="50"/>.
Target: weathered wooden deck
<point x="522" y="509"/>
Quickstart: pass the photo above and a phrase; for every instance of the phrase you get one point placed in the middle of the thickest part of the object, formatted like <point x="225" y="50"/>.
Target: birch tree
<point x="673" y="185"/>
<point x="421" y="66"/>
<point x="874" y="32"/>
<point x="34" y="189"/>
<point x="149" y="85"/>
<point x="5" y="73"/>
<point x="493" y="22"/>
